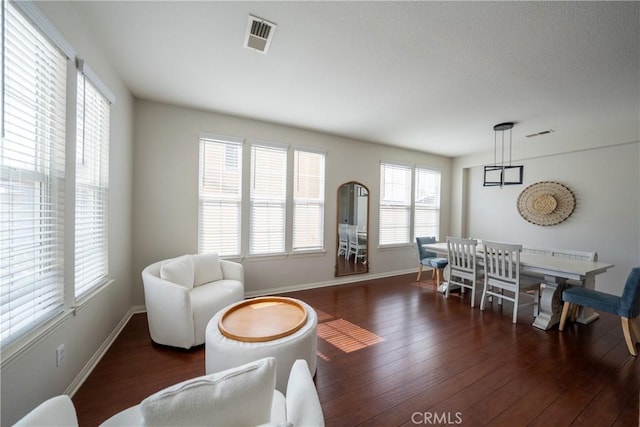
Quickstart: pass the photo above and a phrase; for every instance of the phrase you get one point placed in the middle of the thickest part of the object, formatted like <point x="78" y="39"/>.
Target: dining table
<point x="553" y="272"/>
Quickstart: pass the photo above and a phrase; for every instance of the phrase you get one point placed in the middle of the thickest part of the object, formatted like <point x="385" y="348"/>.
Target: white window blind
<point x="220" y="190"/>
<point x="395" y="204"/>
<point x="427" y="203"/>
<point x="308" y="200"/>
<point x="268" y="199"/>
<point x="92" y="187"/>
<point x="32" y="167"/>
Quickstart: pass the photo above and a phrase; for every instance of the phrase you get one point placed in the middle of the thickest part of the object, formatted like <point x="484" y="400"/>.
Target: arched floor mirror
<point x="352" y="230"/>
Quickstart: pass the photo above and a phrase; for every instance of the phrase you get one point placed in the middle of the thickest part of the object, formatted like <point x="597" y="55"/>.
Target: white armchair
<point x="57" y="411"/>
<point x="222" y="399"/>
<point x="182" y="294"/>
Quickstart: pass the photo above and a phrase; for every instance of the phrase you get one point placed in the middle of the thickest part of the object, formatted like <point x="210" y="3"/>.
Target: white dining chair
<point x="343" y="240"/>
<point x="463" y="270"/>
<point x="502" y="274"/>
<point x="356" y="248"/>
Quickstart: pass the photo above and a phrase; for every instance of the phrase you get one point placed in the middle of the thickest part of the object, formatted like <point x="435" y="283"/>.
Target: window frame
<point x="33" y="174"/>
<point x="391" y="205"/>
<point x="233" y="201"/>
<point x="413" y="207"/>
<point x="92" y="241"/>
<point x="309" y="201"/>
<point x="434" y="208"/>
<point x="271" y="204"/>
<point x="40" y="25"/>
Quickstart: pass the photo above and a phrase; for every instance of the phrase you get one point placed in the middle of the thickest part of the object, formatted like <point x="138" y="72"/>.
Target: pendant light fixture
<point x="500" y="174"/>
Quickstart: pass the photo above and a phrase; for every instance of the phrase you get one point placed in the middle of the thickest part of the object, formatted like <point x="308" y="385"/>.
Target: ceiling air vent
<point x="259" y="34"/>
<point x="544" y="132"/>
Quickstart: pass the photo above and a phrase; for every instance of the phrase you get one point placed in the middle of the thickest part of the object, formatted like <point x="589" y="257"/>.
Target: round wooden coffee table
<point x="262" y="319"/>
<point x="284" y="328"/>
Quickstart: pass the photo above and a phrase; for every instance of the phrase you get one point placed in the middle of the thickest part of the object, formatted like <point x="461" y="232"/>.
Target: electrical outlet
<point x="59" y="354"/>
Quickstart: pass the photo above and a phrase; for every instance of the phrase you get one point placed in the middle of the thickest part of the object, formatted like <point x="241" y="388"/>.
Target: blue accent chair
<point x="429" y="259"/>
<point x="626" y="306"/>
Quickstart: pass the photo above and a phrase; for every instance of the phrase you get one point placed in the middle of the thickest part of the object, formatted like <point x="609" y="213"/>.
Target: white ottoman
<point x="223" y="353"/>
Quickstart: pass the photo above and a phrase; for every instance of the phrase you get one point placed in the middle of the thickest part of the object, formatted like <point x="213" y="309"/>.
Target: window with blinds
<point x="220" y="195"/>
<point x="427" y="203"/>
<point x="395" y="204"/>
<point x="92" y="187"/>
<point x="268" y="199"/>
<point x="32" y="167"/>
<point x="308" y="200"/>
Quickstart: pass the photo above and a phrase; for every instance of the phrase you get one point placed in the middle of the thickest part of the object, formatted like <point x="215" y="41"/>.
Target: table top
<point x="262" y="319"/>
<point x="545" y="264"/>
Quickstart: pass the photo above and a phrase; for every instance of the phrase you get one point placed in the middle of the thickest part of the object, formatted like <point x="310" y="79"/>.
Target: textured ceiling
<point x="431" y="76"/>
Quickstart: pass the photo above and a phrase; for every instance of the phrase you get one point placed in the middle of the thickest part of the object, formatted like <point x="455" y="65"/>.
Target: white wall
<point x="606" y="183"/>
<point x="32" y="376"/>
<point x="166" y="193"/>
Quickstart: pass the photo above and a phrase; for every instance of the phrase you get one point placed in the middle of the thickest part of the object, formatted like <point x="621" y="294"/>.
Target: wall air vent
<point x="544" y="132"/>
<point x="259" y="34"/>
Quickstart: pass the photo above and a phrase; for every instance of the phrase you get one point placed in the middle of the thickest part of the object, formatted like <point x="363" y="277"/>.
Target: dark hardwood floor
<point x="395" y="352"/>
<point x="346" y="266"/>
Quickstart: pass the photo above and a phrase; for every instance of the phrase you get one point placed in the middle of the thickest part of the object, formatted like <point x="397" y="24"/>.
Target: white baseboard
<point x="102" y="350"/>
<point x="337" y="281"/>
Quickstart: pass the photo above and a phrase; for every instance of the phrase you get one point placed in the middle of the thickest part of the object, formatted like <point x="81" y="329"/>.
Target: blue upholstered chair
<point x="626" y="306"/>
<point x="429" y="259"/>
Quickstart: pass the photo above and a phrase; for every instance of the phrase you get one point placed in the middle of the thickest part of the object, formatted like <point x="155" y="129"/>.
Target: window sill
<point x="16" y="349"/>
<point x="396" y="246"/>
<point x="281" y="256"/>
<point x="309" y="253"/>
<point x="86" y="299"/>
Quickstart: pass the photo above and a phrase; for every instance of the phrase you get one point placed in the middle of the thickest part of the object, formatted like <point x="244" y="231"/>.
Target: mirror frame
<point x="339" y="273"/>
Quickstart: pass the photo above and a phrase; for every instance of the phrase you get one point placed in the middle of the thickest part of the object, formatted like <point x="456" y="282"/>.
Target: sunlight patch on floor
<point x="346" y="336"/>
<point x="323" y="356"/>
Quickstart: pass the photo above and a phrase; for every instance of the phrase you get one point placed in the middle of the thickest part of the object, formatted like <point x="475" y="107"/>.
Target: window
<point x="427" y="203"/>
<point x="308" y="200"/>
<point x="395" y="204"/>
<point x="32" y="167"/>
<point x="396" y="213"/>
<point x="268" y="199"/>
<point x="37" y="231"/>
<point x="220" y="191"/>
<point x="270" y="195"/>
<point x="92" y="187"/>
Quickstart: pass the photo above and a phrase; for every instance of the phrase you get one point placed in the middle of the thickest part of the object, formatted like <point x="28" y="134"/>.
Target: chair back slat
<point x="502" y="261"/>
<point x="462" y="254"/>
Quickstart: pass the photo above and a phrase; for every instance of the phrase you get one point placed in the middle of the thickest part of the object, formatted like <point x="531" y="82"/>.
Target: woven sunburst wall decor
<point x="546" y="203"/>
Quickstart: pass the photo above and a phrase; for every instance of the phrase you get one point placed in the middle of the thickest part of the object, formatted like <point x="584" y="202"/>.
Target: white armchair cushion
<point x="238" y="396"/>
<point x="206" y="268"/>
<point x="57" y="411"/>
<point x="178" y="271"/>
